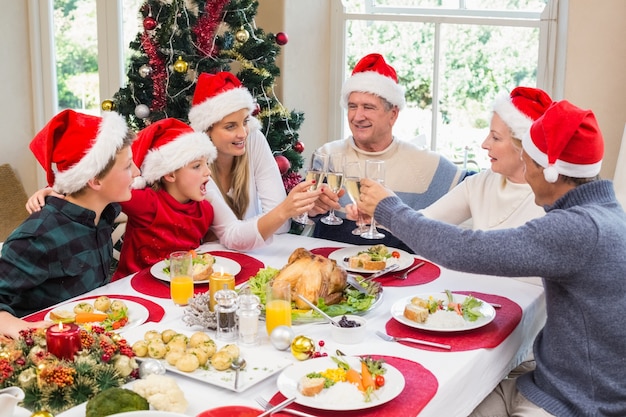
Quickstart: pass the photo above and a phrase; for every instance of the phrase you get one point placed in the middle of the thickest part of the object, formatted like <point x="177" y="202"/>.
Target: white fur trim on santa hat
<point x="204" y="115"/>
<point x="174" y="155"/>
<point x="106" y="144"/>
<point x="551" y="171"/>
<point x="374" y="83"/>
<point x="517" y="121"/>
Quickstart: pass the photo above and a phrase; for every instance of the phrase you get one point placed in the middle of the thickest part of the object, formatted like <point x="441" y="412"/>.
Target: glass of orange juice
<point x="181" y="281"/>
<point x="277" y="305"/>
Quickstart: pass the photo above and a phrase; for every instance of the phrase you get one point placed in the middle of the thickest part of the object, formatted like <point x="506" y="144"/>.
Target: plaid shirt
<point x="56" y="254"/>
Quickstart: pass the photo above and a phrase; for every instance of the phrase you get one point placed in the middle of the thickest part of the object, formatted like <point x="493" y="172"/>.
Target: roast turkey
<point x="314" y="277"/>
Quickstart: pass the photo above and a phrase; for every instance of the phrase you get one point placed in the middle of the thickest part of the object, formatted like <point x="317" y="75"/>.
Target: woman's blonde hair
<point x="240" y="180"/>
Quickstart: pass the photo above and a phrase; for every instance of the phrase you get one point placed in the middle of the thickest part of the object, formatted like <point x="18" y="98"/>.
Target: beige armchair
<point x="12" y="201"/>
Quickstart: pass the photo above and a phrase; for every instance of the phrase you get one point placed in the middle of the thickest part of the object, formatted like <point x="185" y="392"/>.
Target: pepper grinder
<point x="225" y="314"/>
<point x="248" y="315"/>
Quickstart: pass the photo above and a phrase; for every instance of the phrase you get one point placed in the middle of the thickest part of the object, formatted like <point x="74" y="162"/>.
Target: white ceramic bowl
<point x="349" y="335"/>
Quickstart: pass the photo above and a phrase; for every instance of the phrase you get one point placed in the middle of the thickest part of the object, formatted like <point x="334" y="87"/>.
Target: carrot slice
<point x="193" y="253"/>
<point x="89" y="317"/>
<point x="353" y="377"/>
<point x="366" y="376"/>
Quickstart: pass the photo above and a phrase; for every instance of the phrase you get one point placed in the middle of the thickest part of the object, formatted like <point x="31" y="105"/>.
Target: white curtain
<point x="619" y="179"/>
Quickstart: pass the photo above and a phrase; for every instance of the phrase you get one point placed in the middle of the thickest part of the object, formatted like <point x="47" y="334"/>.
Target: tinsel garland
<point x="207" y="25"/>
<point x="245" y="64"/>
<point x="159" y="74"/>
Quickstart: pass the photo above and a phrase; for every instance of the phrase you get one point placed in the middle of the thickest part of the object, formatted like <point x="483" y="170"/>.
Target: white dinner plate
<point x="288" y="385"/>
<point x="137" y="313"/>
<point x="397" y="312"/>
<point x="404" y="261"/>
<point x="149" y="413"/>
<point x="226" y="265"/>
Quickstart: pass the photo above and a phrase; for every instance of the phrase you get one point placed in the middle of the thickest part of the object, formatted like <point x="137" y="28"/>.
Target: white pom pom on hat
<point x="566" y="140"/>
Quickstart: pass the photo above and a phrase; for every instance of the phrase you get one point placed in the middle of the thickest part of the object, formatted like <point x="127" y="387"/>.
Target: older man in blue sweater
<point x="578" y="248"/>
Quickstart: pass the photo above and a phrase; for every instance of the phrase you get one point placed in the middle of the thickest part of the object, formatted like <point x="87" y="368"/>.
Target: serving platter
<point x="288" y="385"/>
<point x="404" y="261"/>
<point x="228" y="266"/>
<point x="397" y="312"/>
<point x="137" y="313"/>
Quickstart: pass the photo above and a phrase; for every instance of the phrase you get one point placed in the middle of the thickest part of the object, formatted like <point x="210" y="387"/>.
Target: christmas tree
<point x="183" y="38"/>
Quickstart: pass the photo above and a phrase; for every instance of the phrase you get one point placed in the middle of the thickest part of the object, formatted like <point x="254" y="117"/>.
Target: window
<point x="453" y="57"/>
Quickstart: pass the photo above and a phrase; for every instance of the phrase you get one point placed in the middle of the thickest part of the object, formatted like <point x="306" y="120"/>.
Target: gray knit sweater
<point x="579" y="249"/>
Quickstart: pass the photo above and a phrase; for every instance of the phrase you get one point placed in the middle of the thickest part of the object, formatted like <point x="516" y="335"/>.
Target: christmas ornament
<point x="281" y="38"/>
<point x="149" y="23"/>
<point x="283" y="164"/>
<point x="145" y="70"/>
<point x="298" y="147"/>
<point x="142" y="111"/>
<point x="281" y="337"/>
<point x="257" y="109"/>
<point x="42" y="413"/>
<point x="107" y="105"/>
<point x="302" y="348"/>
<point x="180" y="66"/>
<point x="150" y="367"/>
<point x="242" y="35"/>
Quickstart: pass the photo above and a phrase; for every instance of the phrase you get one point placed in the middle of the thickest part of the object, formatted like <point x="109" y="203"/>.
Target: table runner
<point x="488" y="336"/>
<point x="145" y="283"/>
<point x="155" y="311"/>
<point x="423" y="275"/>
<point x="420" y="387"/>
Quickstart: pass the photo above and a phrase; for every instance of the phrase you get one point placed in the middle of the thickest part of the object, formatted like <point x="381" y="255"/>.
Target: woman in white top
<point x="499" y="197"/>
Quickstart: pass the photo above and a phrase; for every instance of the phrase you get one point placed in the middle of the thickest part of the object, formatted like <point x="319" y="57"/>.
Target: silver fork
<point x="406" y="273"/>
<point x="266" y="406"/>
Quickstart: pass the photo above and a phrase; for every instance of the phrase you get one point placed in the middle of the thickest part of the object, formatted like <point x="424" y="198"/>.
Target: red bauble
<point x="281" y="38"/>
<point x="298" y="147"/>
<point x="149" y="23"/>
<point x="283" y="164"/>
<point x="257" y="109"/>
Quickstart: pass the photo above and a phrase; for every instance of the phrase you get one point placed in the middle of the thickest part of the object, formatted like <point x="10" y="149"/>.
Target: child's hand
<point x="38" y="200"/>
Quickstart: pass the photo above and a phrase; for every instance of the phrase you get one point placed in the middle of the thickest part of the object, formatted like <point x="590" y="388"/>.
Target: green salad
<point x="354" y="302"/>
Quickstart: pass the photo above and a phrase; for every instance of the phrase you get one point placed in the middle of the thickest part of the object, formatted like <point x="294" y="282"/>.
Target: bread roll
<point x="203" y="267"/>
<point x="415" y="313"/>
<point x="374" y="265"/>
<point x="311" y="386"/>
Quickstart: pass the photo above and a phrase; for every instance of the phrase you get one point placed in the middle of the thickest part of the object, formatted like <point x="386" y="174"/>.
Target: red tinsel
<point x="159" y="73"/>
<point x="207" y="25"/>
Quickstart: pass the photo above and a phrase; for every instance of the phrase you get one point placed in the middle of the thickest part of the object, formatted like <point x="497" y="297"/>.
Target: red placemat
<point x="422" y="275"/>
<point x="155" y="311"/>
<point x="420" y="387"/>
<point x="145" y="283"/>
<point x="489" y="336"/>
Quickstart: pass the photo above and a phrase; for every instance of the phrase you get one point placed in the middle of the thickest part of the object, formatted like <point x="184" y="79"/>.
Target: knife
<point x="383" y="271"/>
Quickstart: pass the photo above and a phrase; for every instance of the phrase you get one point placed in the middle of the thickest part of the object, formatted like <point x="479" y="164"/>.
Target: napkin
<point x="420" y="387"/>
<point x="422" y="275"/>
<point x="489" y="336"/>
<point x="145" y="283"/>
<point x="155" y="311"/>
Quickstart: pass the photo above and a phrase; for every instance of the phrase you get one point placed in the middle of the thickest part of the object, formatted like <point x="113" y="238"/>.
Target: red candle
<point x="63" y="340"/>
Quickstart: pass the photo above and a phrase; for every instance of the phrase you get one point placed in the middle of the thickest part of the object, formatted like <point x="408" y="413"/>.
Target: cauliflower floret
<point x="162" y="393"/>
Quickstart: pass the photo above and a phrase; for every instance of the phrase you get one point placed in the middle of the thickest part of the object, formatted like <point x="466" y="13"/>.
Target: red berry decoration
<point x="283" y="164"/>
<point x="281" y="38"/>
<point x="321" y="343"/>
<point x="298" y="147"/>
<point x="149" y="23"/>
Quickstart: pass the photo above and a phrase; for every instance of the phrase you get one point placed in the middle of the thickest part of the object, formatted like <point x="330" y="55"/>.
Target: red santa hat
<point x="76" y="147"/>
<point x="521" y="108"/>
<point x="165" y="146"/>
<point x="566" y="140"/>
<point x="373" y="75"/>
<point x="217" y="96"/>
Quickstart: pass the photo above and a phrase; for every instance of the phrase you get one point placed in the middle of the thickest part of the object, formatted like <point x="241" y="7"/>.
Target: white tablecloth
<point x="464" y="377"/>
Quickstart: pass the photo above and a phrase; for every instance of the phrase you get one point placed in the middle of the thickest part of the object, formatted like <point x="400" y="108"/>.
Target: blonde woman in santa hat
<point x="168" y="210"/>
<point x="577" y="248"/>
<point x="65" y="249"/>
<point x="247" y="192"/>
<point x="499" y="197"/>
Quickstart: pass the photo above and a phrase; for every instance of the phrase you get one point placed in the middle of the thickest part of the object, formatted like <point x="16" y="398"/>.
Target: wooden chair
<point x="13" y="199"/>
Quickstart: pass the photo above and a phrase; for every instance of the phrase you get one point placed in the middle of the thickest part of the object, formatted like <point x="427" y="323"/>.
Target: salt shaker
<point x="225" y="314"/>
<point x="248" y="314"/>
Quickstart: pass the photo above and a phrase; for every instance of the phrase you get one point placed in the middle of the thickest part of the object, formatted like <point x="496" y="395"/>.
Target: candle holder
<point x="63" y="340"/>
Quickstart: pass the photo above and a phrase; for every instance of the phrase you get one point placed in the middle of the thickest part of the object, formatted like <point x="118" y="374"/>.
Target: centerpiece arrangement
<point x="104" y="360"/>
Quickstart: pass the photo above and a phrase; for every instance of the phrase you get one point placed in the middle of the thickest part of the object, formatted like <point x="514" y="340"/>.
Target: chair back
<point x="13" y="199"/>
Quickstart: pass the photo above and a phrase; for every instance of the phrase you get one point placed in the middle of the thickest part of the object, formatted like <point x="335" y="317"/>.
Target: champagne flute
<point x="374" y="170"/>
<point x="334" y="179"/>
<point x="352" y="183"/>
<point x="316" y="171"/>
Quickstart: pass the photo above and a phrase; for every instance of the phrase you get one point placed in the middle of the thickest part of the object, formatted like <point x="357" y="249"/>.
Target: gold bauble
<point x="242" y="35"/>
<point x="180" y="66"/>
<point x="42" y="413"/>
<point x="107" y="105"/>
<point x="302" y="348"/>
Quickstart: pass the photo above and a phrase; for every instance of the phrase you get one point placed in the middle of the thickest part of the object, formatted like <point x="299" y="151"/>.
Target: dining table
<point x="437" y="382"/>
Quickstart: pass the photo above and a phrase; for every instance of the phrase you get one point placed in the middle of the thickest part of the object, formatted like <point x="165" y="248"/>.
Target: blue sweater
<point x="579" y="249"/>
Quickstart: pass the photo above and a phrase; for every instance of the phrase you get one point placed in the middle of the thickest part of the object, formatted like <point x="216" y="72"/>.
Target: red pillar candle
<point x="63" y="340"/>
